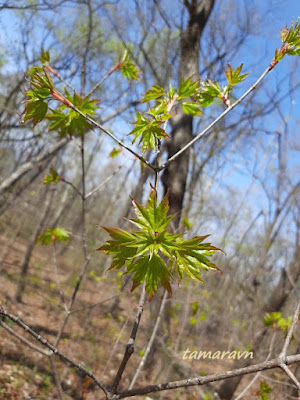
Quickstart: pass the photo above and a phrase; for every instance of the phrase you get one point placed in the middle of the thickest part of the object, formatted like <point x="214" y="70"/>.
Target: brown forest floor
<point x="88" y="337"/>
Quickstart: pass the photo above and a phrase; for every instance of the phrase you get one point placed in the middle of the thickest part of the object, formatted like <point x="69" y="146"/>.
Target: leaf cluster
<point x="153" y="254"/>
<point x="53" y="177"/>
<point x="212" y="90"/>
<point x="290" y="38"/>
<point x="276" y="320"/>
<point x="64" y="119"/>
<point x="265" y="389"/>
<point x="67" y="121"/>
<point x="190" y="95"/>
<point x="128" y="68"/>
<point x="53" y="235"/>
<point x="41" y="86"/>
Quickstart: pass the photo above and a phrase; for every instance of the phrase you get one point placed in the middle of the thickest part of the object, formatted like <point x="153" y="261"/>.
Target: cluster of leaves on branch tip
<point x="191" y="95"/>
<point x="65" y="119"/>
<point x="52" y="177"/>
<point x="276" y="320"/>
<point x="152" y="253"/>
<point x="290" y="38"/>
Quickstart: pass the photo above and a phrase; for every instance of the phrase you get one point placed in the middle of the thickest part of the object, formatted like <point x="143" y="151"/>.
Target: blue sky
<point x="256" y="54"/>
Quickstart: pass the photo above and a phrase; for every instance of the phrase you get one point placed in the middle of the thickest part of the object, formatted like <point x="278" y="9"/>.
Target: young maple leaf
<point x="152" y="253"/>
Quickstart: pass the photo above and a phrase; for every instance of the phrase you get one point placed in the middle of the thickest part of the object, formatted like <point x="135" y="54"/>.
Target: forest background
<point x="240" y="183"/>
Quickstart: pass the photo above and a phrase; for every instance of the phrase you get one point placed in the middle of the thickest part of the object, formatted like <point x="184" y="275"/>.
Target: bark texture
<point x="175" y="175"/>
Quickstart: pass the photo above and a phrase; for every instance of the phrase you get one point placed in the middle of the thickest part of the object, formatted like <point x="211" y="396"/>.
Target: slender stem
<point x="290" y="333"/>
<point x="130" y="345"/>
<point x="23" y="340"/>
<point x="202" y="380"/>
<point x="151" y="341"/>
<point x="84" y="244"/>
<point x="188" y="145"/>
<point x="45" y="343"/>
<point x="73" y="186"/>
<point x="257" y="375"/>
<point x="97" y="125"/>
<point x="60" y="392"/>
<point x="103" y="79"/>
<point x="93" y="191"/>
<point x="56" y="278"/>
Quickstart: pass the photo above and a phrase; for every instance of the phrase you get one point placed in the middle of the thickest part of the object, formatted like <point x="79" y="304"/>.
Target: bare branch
<point x="203" y="380"/>
<point x="130" y="345"/>
<point x="45" y="343"/>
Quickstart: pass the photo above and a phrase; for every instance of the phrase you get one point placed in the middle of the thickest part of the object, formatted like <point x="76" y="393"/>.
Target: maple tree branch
<point x="257" y="375"/>
<point x="199" y="136"/>
<point x="282" y="356"/>
<point x="151" y="341"/>
<point x="290" y="332"/>
<point x="23" y="340"/>
<point x="95" y="189"/>
<point x="53" y="349"/>
<point x="113" y="69"/>
<point x="97" y="125"/>
<point x="202" y="380"/>
<point x="130" y="345"/>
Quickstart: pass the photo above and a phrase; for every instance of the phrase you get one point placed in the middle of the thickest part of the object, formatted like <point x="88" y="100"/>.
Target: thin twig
<point x="56" y="278"/>
<point x="115" y="346"/>
<point x="73" y="186"/>
<point x="23" y="340"/>
<point x="188" y="145"/>
<point x="202" y="380"/>
<point x="93" y="191"/>
<point x="97" y="125"/>
<point x="282" y="356"/>
<point x="258" y="374"/>
<point x="56" y="380"/>
<point x="103" y="79"/>
<point x="97" y="303"/>
<point x="130" y="345"/>
<point x="290" y="333"/>
<point x="45" y="342"/>
<point x="151" y="341"/>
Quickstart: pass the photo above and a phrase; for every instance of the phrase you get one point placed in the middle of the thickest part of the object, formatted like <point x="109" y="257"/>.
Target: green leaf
<point x="53" y="177"/>
<point x="141" y="251"/>
<point x="148" y="130"/>
<point x="265" y="389"/>
<point x="290" y="38"/>
<point x="210" y="91"/>
<point x="154" y="93"/>
<point x="115" y="152"/>
<point x="53" y="235"/>
<point x="67" y="121"/>
<point x="152" y="270"/>
<point x="45" y="56"/>
<point x="187" y="88"/>
<point x="270" y="318"/>
<point x="191" y="109"/>
<point x="128" y="69"/>
<point x="234" y="76"/>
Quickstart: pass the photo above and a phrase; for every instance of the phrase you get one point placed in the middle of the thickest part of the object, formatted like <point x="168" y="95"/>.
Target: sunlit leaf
<point x="53" y="235"/>
<point x="152" y="252"/>
<point x="234" y="76"/>
<point x="53" y="177"/>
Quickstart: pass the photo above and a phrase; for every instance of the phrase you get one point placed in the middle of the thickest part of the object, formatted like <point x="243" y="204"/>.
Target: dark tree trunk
<point x="175" y="175"/>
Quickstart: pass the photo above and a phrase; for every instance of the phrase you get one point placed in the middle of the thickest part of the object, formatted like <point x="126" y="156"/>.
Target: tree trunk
<point x="175" y="175"/>
<point x="275" y="303"/>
